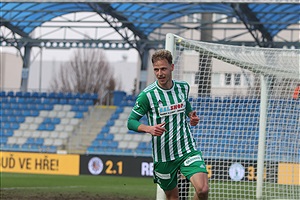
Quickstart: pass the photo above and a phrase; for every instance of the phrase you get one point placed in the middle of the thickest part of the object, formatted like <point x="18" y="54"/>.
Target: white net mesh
<point x="226" y="91"/>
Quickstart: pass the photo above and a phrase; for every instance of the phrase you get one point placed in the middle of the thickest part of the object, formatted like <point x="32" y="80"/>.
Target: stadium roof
<point x="144" y="25"/>
<point x="263" y="19"/>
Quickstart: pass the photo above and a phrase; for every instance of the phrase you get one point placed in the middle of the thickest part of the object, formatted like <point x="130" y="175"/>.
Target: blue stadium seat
<point x="22" y="100"/>
<point x="91" y="149"/>
<point x="129" y="151"/>
<point x="119" y="110"/>
<point x="42" y="127"/>
<point x="8" y="132"/>
<point x="83" y="108"/>
<point x="2" y="93"/>
<point x="75" y="108"/>
<point x="47" y="120"/>
<point x="60" y="95"/>
<point x="10" y="94"/>
<point x="14" y="126"/>
<point x="51" y="95"/>
<point x="105" y="129"/>
<point x="114" y="144"/>
<point x="25" y="147"/>
<point x="89" y="102"/>
<point x="72" y="101"/>
<point x="46" y="101"/>
<point x="23" y="106"/>
<point x="54" y="101"/>
<point x="30" y="141"/>
<point x="56" y="120"/>
<point x="35" y="147"/>
<point x="12" y="119"/>
<point x="35" y="95"/>
<point x="4" y="118"/>
<point x="4" y="100"/>
<point x="51" y="149"/>
<point x="109" y="136"/>
<point x="48" y="106"/>
<point x="22" y="94"/>
<point x="12" y="100"/>
<point x="85" y="96"/>
<point x="63" y="101"/>
<point x="78" y="115"/>
<point x="5" y="105"/>
<point x="34" y="113"/>
<point x="114" y="116"/>
<point x="76" y="95"/>
<point x="105" y="144"/>
<point x="95" y="143"/>
<point x="39" y="141"/>
<point x="100" y="136"/>
<point x="94" y="96"/>
<point x="110" y="123"/>
<point x="79" y="102"/>
<point x="43" y="95"/>
<point x="132" y="132"/>
<point x="3" y="140"/>
<point x="142" y="145"/>
<point x="69" y="95"/>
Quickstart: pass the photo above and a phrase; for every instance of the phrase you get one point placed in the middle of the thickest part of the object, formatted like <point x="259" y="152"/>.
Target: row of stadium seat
<point x="230" y="127"/>
<point x="234" y="130"/>
<point x="44" y="101"/>
<point x="31" y="106"/>
<point x="39" y="124"/>
<point x="58" y="95"/>
<point x="35" y="113"/>
<point x="239" y="100"/>
<point x="116" y="138"/>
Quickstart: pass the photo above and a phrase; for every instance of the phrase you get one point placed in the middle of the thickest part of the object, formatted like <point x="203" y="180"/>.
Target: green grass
<point x="34" y="186"/>
<point x="81" y="187"/>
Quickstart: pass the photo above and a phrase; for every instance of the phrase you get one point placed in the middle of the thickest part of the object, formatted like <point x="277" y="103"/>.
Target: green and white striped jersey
<point x="172" y="107"/>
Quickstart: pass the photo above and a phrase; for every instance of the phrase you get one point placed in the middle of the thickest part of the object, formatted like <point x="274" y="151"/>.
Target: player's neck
<point x="166" y="86"/>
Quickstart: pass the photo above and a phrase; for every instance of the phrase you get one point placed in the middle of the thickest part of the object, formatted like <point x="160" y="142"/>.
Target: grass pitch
<point x="34" y="186"/>
<point x="87" y="187"/>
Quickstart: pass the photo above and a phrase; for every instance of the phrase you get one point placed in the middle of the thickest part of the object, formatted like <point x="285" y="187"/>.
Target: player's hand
<point x="194" y="119"/>
<point x="157" y="130"/>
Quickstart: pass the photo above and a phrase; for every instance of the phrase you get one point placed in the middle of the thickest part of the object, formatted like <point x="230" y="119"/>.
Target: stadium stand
<point x="233" y="123"/>
<point x="115" y="138"/>
<point x="45" y="122"/>
<point x="33" y="121"/>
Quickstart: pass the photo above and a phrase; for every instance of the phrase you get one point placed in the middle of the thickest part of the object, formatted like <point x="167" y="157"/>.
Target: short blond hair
<point x="162" y="54"/>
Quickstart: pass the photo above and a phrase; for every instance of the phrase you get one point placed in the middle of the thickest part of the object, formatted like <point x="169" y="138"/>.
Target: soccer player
<point x="165" y="103"/>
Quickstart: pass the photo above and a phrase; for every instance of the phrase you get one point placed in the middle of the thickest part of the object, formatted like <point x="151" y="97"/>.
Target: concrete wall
<point x="11" y="71"/>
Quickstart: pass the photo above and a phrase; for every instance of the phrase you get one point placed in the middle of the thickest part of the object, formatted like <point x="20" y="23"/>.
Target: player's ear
<point x="172" y="67"/>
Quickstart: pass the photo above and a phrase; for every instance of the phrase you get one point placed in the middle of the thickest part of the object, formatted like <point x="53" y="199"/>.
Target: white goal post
<point x="249" y="130"/>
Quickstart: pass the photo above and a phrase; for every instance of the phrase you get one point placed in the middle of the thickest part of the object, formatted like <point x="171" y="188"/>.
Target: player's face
<point x="163" y="72"/>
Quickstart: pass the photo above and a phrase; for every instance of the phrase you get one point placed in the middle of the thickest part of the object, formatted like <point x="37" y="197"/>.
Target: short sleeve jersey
<point x="169" y="106"/>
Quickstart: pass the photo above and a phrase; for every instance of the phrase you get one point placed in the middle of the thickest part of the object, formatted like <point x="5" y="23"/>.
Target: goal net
<point x="249" y="130"/>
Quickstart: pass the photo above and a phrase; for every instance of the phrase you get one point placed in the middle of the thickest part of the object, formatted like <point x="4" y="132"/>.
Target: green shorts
<point x="165" y="173"/>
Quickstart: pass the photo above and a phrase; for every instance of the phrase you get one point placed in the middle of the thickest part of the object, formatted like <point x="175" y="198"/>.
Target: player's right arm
<point x="156" y="130"/>
<point x="142" y="106"/>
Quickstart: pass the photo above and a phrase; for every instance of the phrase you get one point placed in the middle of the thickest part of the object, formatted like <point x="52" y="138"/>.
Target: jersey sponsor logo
<point x="192" y="159"/>
<point x="162" y="176"/>
<point x="171" y="109"/>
